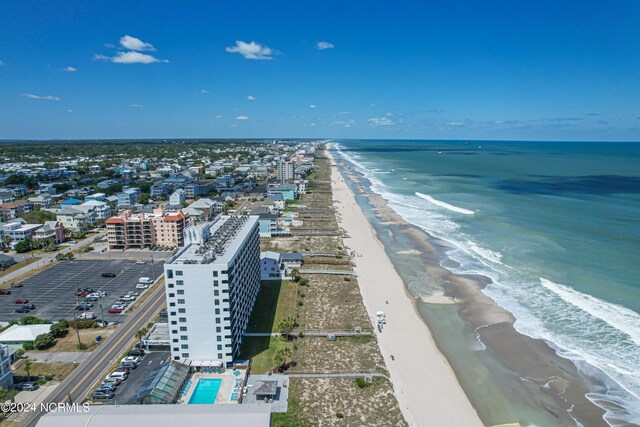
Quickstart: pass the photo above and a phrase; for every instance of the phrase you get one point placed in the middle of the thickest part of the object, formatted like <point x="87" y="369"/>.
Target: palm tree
<point x="27" y="368"/>
<point x="140" y="335"/>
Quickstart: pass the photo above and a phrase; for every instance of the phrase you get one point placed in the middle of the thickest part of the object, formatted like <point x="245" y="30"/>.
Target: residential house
<point x="128" y="197"/>
<point x="211" y="207"/>
<point x="159" y="228"/>
<point x="177" y="197"/>
<point x="100" y="197"/>
<point x="76" y="217"/>
<point x="93" y="169"/>
<point x="160" y="190"/>
<point x="270" y="266"/>
<point x="42" y="201"/>
<point x="12" y="209"/>
<point x="6" y="261"/>
<point x="6" y="197"/>
<point x="288" y="191"/>
<point x="102" y="210"/>
<point x="50" y="230"/>
<point x="107" y="183"/>
<point x="18" y="231"/>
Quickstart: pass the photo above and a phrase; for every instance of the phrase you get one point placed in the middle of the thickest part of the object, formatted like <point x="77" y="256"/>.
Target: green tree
<point x="43" y="341"/>
<point x="285" y="326"/>
<point x="23" y="246"/>
<point x="282" y="358"/>
<point x="27" y="367"/>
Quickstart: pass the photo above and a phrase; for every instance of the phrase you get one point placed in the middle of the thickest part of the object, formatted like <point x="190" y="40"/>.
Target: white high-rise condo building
<point x="285" y="171"/>
<point x="211" y="285"/>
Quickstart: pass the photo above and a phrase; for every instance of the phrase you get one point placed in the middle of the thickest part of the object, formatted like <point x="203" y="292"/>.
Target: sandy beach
<point x="425" y="385"/>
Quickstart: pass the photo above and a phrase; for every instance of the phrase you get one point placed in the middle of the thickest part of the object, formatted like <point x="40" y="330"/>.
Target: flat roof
<point x="227" y="233"/>
<point x="245" y="415"/>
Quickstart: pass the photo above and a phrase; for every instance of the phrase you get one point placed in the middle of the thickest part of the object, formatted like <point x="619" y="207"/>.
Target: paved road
<point x="58" y="357"/>
<point x="79" y="383"/>
<point x="46" y="259"/>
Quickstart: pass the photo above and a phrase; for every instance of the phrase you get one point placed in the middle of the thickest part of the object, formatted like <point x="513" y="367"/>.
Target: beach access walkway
<point x="332" y="272"/>
<point x="341" y="375"/>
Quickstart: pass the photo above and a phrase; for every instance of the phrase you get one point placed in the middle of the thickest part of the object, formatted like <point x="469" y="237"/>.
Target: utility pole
<point x="101" y="314"/>
<point x="75" y="323"/>
<point x="153" y="269"/>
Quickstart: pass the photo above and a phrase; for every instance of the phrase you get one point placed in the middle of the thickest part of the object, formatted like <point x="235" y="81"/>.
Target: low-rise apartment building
<point x="129" y="230"/>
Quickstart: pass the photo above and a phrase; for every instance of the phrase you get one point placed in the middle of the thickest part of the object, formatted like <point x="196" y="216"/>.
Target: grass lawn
<point x="276" y="301"/>
<point x="261" y="351"/>
<point x="18" y="266"/>
<point x="59" y="371"/>
<point x="69" y="343"/>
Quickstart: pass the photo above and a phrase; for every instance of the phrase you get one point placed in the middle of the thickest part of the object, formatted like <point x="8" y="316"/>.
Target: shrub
<point x="304" y="282"/>
<point x="32" y="320"/>
<point x="27" y="346"/>
<point x="20" y="352"/>
<point x="43" y="341"/>
<point x="300" y="303"/>
<point x="362" y="383"/>
<point x="58" y="330"/>
<point x="83" y="324"/>
<point x="339" y="415"/>
<point x="64" y="322"/>
<point x="347" y="279"/>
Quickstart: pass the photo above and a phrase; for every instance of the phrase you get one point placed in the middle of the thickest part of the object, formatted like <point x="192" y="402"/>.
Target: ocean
<point x="554" y="225"/>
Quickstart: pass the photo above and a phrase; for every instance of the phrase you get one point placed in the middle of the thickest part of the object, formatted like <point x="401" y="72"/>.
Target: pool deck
<point x="226" y="387"/>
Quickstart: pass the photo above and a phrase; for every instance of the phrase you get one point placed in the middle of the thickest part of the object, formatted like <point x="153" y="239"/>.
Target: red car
<point x="21" y="301"/>
<point x="3" y="292"/>
<point x="114" y="310"/>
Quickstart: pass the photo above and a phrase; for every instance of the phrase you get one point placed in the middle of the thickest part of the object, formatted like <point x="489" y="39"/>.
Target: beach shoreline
<point x="549" y="382"/>
<point x="424" y="383"/>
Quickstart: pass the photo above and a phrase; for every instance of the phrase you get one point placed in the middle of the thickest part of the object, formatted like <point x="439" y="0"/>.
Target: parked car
<point x="102" y="323"/>
<point x="103" y="394"/>
<point x="140" y="262"/>
<point x="145" y="280"/>
<point x="21" y="301"/>
<point x="102" y="294"/>
<point x="128" y="365"/>
<point x="108" y="274"/>
<point x="136" y="352"/>
<point x="82" y="307"/>
<point x="128" y="298"/>
<point x="122" y="369"/>
<point x="22" y="310"/>
<point x="4" y="292"/>
<point x="107" y="386"/>
<point x="73" y="242"/>
<point x="120" y="375"/>
<point x="134" y="359"/>
<point x="17" y="285"/>
<point x="28" y="386"/>
<point x="87" y="315"/>
<point x="141" y="286"/>
<point x="83" y="292"/>
<point x="114" y="310"/>
<point x="29" y="306"/>
<point x="134" y="293"/>
<point x="113" y="380"/>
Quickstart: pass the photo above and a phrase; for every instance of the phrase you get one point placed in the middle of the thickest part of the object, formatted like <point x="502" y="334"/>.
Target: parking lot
<point x="52" y="291"/>
<point x="127" y="390"/>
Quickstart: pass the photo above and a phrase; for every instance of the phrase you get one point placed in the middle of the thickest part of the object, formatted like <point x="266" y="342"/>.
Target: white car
<point x="145" y="280"/>
<point x="127" y="298"/>
<point x="141" y="286"/>
<point x="119" y="306"/>
<point x="87" y="315"/>
<point x="140" y="262"/>
<point x="133" y="359"/>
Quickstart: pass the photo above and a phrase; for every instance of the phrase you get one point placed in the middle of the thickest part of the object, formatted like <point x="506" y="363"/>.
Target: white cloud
<point x="345" y="123"/>
<point x="251" y="98"/>
<point x="312" y="125"/>
<point x="251" y="50"/>
<point x="203" y="91"/>
<point x="1" y="63"/>
<point x="324" y="45"/>
<point x="43" y="97"/>
<point x="312" y="105"/>
<point x="133" y="43"/>
<point x="219" y="116"/>
<point x="70" y="69"/>
<point x="130" y="58"/>
<point x="242" y="118"/>
<point x="344" y="112"/>
<point x="380" y="121"/>
<point x="455" y="124"/>
<point x="69" y="111"/>
<point x="136" y="105"/>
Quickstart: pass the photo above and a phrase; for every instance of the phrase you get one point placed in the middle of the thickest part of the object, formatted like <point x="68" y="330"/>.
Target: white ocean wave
<point x="444" y="205"/>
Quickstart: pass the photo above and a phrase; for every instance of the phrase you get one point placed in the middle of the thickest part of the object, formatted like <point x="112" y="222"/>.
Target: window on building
<point x="182" y="319"/>
<point x="216" y="292"/>
<point x="180" y="291"/>
<point x="175" y="340"/>
<point x="180" y="301"/>
<point x="173" y="313"/>
<point x="178" y="273"/>
<point x="176" y="349"/>
<point x="179" y="282"/>
<point x="172" y="304"/>
<point x="217" y="320"/>
<point x="173" y="322"/>
<point x="170" y="285"/>
<point x="185" y="355"/>
<point x="184" y="346"/>
<point x="219" y="355"/>
<point x="183" y="329"/>
<point x="215" y="274"/>
<point x="181" y="310"/>
<point x="218" y="338"/>
<point x="184" y="337"/>
<point x="218" y="329"/>
<point x="171" y="295"/>
<point x="169" y="274"/>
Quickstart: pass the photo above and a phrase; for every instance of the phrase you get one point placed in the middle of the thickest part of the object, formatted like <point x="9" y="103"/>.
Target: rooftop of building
<point x="223" y="239"/>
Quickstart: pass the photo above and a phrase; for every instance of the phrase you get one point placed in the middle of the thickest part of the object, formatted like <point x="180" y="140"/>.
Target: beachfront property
<point x="270" y="266"/>
<point x="288" y="191"/>
<point x="211" y="286"/>
<point x="129" y="230"/>
<point x="53" y="230"/>
<point x="285" y="170"/>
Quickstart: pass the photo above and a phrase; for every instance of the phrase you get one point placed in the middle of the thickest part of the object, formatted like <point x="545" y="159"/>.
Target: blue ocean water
<point x="555" y="225"/>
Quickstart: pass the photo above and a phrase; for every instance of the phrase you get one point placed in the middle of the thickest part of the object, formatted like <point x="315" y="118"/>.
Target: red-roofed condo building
<point x="129" y="230"/>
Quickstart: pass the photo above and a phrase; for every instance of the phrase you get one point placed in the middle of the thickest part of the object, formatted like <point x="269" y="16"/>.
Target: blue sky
<point x="548" y="70"/>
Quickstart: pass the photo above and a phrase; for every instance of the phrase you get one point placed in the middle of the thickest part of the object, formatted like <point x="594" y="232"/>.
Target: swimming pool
<point x="206" y="391"/>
